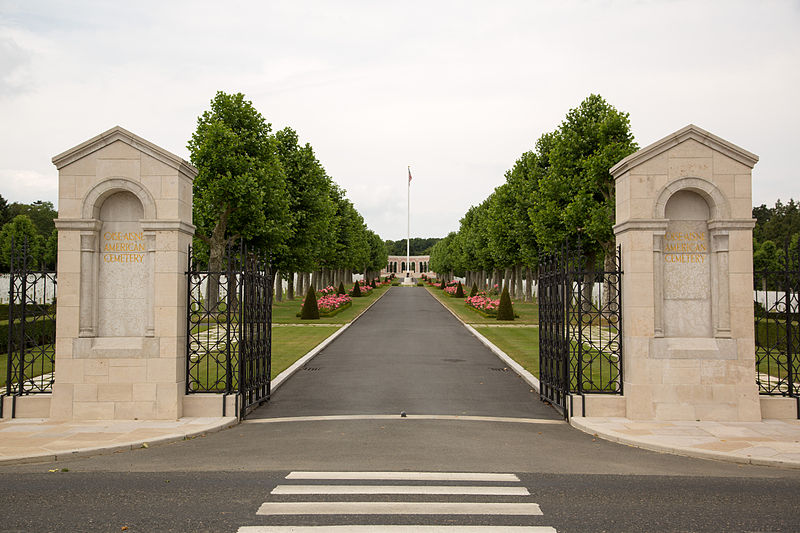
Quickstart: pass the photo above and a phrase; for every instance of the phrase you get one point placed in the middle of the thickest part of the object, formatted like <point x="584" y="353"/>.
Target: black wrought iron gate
<point x="553" y="339"/>
<point x="31" y="328"/>
<point x="229" y="321"/>
<point x="580" y="326"/>
<point x="777" y="325"/>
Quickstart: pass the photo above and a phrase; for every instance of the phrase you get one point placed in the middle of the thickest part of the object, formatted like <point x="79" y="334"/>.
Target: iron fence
<point x="229" y="319"/>
<point x="31" y="327"/>
<point x="580" y="325"/>
<point x="776" y="295"/>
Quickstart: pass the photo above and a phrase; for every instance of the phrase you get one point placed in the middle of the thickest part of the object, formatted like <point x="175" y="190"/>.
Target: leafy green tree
<point x="240" y="189"/>
<point x="50" y="251"/>
<point x="378" y="258"/>
<point x="4" y="217"/>
<point x="310" y="205"/>
<point x="445" y="257"/>
<point x="777" y="224"/>
<point x="416" y="245"/>
<point x="41" y="213"/>
<point x="13" y="237"/>
<point x="575" y="197"/>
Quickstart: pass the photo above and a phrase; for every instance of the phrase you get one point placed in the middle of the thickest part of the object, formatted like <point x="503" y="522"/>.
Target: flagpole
<point x="408" y="234"/>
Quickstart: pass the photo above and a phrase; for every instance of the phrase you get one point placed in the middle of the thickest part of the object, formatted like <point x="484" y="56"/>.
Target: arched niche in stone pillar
<point x="691" y="261"/>
<point x="117" y="261"/>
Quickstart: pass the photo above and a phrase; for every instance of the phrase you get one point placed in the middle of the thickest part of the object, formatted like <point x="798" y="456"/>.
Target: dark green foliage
<point x="417" y="246"/>
<point x="41" y="329"/>
<point x="459" y="291"/>
<point x="341" y="290"/>
<point x="777" y="223"/>
<point x="474" y="290"/>
<point x="505" y="311"/>
<point x="443" y="284"/>
<point x="17" y="232"/>
<point x="41" y="214"/>
<point x="356" y="292"/>
<point x="310" y="308"/>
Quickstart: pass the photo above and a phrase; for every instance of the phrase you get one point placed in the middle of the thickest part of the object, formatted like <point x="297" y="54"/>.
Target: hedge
<point x="767" y="332"/>
<point x="42" y="331"/>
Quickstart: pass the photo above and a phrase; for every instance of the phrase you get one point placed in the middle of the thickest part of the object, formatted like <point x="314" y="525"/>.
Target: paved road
<point x="406" y="353"/>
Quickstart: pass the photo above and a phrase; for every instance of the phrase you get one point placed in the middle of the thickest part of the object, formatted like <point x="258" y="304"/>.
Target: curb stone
<point x="577" y="423"/>
<point x="526" y="376"/>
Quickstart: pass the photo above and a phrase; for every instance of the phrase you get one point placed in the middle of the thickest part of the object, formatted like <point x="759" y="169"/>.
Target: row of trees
<point x="32" y="223"/>
<point x="561" y="191"/>
<point x="272" y="193"/>
<point x="416" y="246"/>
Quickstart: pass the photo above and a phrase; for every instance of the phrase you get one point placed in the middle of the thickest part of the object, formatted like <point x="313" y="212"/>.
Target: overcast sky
<point x="457" y="90"/>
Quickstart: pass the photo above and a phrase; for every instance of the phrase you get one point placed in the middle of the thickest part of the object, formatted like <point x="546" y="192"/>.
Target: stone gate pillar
<point x="684" y="222"/>
<point x="124" y="227"/>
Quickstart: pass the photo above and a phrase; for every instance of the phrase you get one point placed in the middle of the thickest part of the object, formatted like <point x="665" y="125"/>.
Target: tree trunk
<point x="278" y="286"/>
<point x="588" y="283"/>
<point x="290" y="288"/>
<point x="518" y="285"/>
<point x="507" y="279"/>
<point x="482" y="284"/>
<point x="216" y="253"/>
<point x="608" y="290"/>
<point x="528" y="284"/>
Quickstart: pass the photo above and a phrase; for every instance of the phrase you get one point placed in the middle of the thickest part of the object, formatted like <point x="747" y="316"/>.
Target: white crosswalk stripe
<point x="405" y="508"/>
<point x="456" y="490"/>
<point x="396" y="529"/>
<point x="489" y="495"/>
<point x="405" y="476"/>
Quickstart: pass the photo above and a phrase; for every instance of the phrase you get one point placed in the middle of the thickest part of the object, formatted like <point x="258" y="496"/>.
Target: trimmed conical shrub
<point x="459" y="291"/>
<point x="356" y="292"/>
<point x="341" y="290"/>
<point x="443" y="285"/>
<point x="310" y="309"/>
<point x="474" y="290"/>
<point x="505" y="311"/>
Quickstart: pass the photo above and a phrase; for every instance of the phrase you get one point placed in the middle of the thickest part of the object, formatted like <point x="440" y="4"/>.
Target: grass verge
<point x="521" y="344"/>
<point x="288" y="345"/>
<point x="285" y="312"/>
<point x="528" y="312"/>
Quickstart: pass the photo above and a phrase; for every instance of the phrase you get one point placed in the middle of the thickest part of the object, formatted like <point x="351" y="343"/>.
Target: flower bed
<point x="483" y="304"/>
<point x="365" y="289"/>
<point x="328" y="290"/>
<point x="330" y="304"/>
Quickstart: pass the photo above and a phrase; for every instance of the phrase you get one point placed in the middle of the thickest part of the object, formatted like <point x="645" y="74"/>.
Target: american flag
<point x="409" y="174"/>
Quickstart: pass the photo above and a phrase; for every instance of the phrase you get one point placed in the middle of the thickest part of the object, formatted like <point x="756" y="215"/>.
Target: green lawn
<point x="285" y="312"/>
<point x="521" y="344"/>
<point x="528" y="312"/>
<point x="288" y="345"/>
<point x="42" y="363"/>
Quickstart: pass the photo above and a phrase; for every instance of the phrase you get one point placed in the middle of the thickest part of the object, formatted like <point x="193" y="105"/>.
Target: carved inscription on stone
<point x="686" y="268"/>
<point x="123" y="247"/>
<point x="685" y="247"/>
<point x="123" y="277"/>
